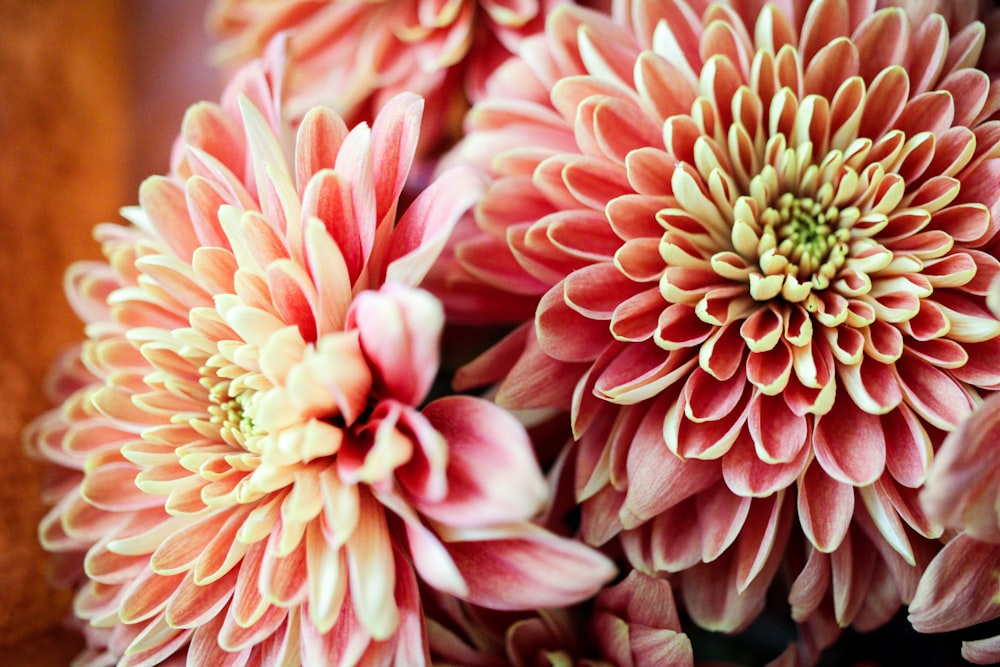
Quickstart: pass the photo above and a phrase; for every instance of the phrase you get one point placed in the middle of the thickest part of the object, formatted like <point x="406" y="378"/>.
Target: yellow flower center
<point x="229" y="408"/>
<point x="806" y="233"/>
<point x="232" y="415"/>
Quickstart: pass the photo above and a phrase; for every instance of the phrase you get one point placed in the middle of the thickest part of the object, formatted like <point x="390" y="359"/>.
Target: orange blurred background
<point x="91" y="97"/>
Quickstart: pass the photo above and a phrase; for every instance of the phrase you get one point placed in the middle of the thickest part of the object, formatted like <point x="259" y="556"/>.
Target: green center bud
<point x="809" y="236"/>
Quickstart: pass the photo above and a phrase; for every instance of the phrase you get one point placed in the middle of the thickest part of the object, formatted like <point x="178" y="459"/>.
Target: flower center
<point x="229" y="409"/>
<point x="232" y="415"/>
<point x="808" y="238"/>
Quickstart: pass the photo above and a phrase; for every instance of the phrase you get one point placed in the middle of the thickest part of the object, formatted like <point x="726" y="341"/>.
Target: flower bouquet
<point x="649" y="332"/>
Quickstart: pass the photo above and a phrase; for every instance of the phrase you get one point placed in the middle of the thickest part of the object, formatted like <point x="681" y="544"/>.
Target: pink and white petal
<point x="400" y="331"/>
<point x="430" y="557"/>
<point x="348" y="640"/>
<point x="721" y="514"/>
<point x="327" y="198"/>
<point x="932" y="393"/>
<point x="596" y="290"/>
<point x="372" y="572"/>
<point x="658" y="479"/>
<point x="982" y="651"/>
<point x="642" y="599"/>
<point x="327" y="574"/>
<point x="825" y="508"/>
<point x="959" y="588"/>
<point x="165" y="206"/>
<point x="154" y="645"/>
<point x="640" y="371"/>
<point x="265" y="154"/>
<point x="537" y="380"/>
<point x="147" y="595"/>
<point x="961" y="488"/>
<point x="852" y="567"/>
<point x="708" y="399"/>
<point x="713" y="599"/>
<point x="748" y="475"/>
<point x="492" y="475"/>
<point x="210" y="128"/>
<point x="523" y="566"/>
<point x="555" y="318"/>
<point x="193" y="606"/>
<point x="908" y="447"/>
<point x="778" y="434"/>
<point x="850" y="444"/>
<point x="670" y="542"/>
<point x="809" y="589"/>
<point x="234" y="638"/>
<point x="706" y="439"/>
<point x="871" y="384"/>
<point x="329" y="273"/>
<point x="599" y="521"/>
<point x="294" y="296"/>
<point x="395" y="133"/>
<point x="281" y="649"/>
<point x="761" y="544"/>
<point x="204" y="648"/>
<point x="409" y="645"/>
<point x="982" y="365"/>
<point x="421" y="234"/>
<point x="883" y="514"/>
<point x="317" y="142"/>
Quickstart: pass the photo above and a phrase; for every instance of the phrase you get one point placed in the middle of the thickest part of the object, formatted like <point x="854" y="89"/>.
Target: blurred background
<point x="92" y="93"/>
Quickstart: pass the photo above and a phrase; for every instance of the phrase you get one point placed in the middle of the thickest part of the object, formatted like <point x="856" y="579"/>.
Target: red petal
<point x="564" y="333"/>
<point x="657" y="478"/>
<point x="778" y="434"/>
<point x="850" y="444"/>
<point x="932" y="394"/>
<point x="492" y="473"/>
<point x="908" y="449"/>
<point x="825" y="508"/>
<point x="525" y="567"/>
<point x="746" y="474"/>
<point x="958" y="589"/>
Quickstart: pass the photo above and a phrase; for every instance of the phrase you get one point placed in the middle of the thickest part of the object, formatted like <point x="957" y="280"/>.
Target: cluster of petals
<point x="354" y="56"/>
<point x="243" y="472"/>
<point x="758" y="239"/>
<point x="631" y="624"/>
<point x="961" y="586"/>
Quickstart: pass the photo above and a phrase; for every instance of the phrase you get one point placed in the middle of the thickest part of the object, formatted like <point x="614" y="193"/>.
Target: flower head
<point x="246" y="463"/>
<point x="960" y="587"/>
<point x="631" y="624"/>
<point x="759" y="240"/>
<point x="354" y="56"/>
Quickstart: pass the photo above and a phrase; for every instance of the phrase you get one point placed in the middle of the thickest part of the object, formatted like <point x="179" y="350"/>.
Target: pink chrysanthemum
<point x="355" y="55"/>
<point x="961" y="586"/>
<point x="631" y="624"/>
<point x="246" y="465"/>
<point x="759" y="237"/>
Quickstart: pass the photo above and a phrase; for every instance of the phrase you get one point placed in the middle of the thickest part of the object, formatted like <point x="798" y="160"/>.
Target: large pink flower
<point x="759" y="237"/>
<point x="355" y="55"/>
<point x="245" y="466"/>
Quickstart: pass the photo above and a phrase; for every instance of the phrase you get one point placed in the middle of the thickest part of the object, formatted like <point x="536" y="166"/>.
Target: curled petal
<point x="400" y="330"/>
<point x="522" y="566"/>
<point x="492" y="476"/>
<point x="959" y="587"/>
